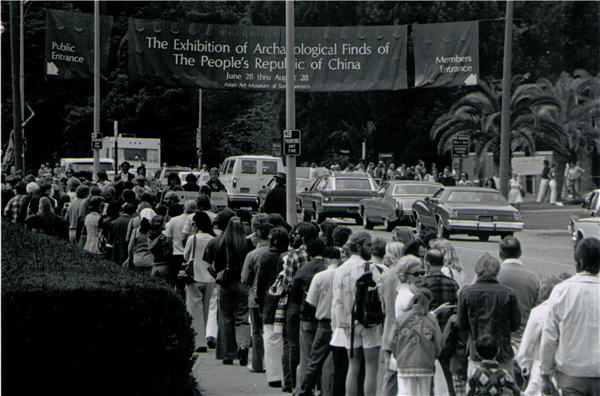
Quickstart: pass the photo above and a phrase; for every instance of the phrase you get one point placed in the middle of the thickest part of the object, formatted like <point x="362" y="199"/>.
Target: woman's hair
<point x="144" y="225"/>
<point x="82" y="191"/>
<point x="95" y="204"/>
<point x="403" y="234"/>
<point x="202" y="221"/>
<point x="173" y="177"/>
<point x="327" y="229"/>
<point x="45" y="205"/>
<point x="393" y="253"/>
<point x="191" y="178"/>
<point x="378" y="247"/>
<point x="340" y="235"/>
<point x="487" y="266"/>
<point x="450" y="255"/>
<point x="234" y="240"/>
<point x="278" y="238"/>
<point x="113" y="209"/>
<point x="587" y="255"/>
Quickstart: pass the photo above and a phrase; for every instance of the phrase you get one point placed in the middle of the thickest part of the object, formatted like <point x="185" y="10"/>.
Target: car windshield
<point x="414" y="189"/>
<point x="353" y="184"/>
<point x="477" y="197"/>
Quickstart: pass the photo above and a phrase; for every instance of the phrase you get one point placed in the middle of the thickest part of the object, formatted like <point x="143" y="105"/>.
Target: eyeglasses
<point x="417" y="273"/>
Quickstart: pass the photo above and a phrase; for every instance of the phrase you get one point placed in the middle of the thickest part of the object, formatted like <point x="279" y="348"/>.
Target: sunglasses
<point x="417" y="273"/>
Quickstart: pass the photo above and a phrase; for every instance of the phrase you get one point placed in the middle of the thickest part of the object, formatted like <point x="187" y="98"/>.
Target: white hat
<point x="147" y="213"/>
<point x="32" y="187"/>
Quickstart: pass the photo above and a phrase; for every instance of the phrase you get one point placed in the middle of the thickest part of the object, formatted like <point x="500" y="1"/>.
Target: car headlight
<point x="517" y="216"/>
<point x="453" y="213"/>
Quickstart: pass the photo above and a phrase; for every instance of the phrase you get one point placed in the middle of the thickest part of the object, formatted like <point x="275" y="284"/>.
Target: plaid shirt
<point x="13" y="206"/>
<point x="443" y="290"/>
<point x="291" y="262"/>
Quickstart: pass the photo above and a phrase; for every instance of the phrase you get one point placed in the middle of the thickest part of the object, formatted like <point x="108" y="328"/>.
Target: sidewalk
<point x="215" y="378"/>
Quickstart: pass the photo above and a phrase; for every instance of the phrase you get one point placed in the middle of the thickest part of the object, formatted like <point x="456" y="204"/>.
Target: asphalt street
<point x="547" y="250"/>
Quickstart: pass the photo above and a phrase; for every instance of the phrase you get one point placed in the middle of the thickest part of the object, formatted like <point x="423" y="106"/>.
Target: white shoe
<point x="560" y="204"/>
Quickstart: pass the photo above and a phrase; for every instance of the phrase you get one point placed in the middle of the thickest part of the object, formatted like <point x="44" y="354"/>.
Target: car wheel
<point x="388" y="225"/>
<point x="320" y="216"/>
<point x="442" y="232"/>
<point x="306" y="216"/>
<point x="419" y="227"/>
<point x="484" y="237"/>
<point x="365" y="221"/>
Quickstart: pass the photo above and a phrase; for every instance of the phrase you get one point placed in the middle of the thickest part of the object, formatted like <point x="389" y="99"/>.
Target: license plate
<point x="486" y="218"/>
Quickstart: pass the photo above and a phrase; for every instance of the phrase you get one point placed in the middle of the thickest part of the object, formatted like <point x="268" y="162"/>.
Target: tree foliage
<point x="241" y="121"/>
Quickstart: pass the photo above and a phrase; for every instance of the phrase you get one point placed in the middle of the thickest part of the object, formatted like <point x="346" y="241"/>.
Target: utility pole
<point x="290" y="110"/>
<point x="199" y="130"/>
<point x="96" y="130"/>
<point x="22" y="70"/>
<point x="16" y="91"/>
<point x="505" y="126"/>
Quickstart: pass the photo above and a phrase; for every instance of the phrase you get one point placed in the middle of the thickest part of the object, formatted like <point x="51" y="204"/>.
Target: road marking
<point x="524" y="258"/>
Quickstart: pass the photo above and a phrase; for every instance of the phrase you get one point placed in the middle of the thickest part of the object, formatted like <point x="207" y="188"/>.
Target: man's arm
<point x="247" y="276"/>
<point x="515" y="313"/>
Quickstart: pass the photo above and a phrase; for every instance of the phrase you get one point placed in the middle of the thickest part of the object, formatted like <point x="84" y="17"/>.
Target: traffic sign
<point x="291" y="142"/>
<point x="96" y="144"/>
<point x="460" y="147"/>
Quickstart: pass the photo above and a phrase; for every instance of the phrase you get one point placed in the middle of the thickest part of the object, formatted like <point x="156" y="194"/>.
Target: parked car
<point x="302" y="183"/>
<point x="475" y="211"/>
<point x="244" y="175"/>
<point x="393" y="205"/>
<point x="336" y="195"/>
<point x="589" y="225"/>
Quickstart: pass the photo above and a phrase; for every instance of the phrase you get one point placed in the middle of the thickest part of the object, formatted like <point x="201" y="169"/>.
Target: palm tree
<point x="575" y="119"/>
<point x="478" y="114"/>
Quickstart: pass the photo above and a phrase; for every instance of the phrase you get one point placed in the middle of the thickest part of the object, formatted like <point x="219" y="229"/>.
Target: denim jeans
<point x="319" y="351"/>
<point x="258" y="350"/>
<point x="291" y="334"/>
<point x="234" y="328"/>
<point x="308" y="329"/>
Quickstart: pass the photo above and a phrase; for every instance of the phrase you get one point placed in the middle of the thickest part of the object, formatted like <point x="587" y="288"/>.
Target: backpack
<point x="367" y="308"/>
<point x="487" y="382"/>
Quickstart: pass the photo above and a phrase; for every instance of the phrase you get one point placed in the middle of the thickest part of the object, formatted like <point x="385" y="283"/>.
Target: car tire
<point x="388" y="225"/>
<point x="365" y="221"/>
<point x="306" y="216"/>
<point x="484" y="237"/>
<point x="419" y="227"/>
<point x="442" y="232"/>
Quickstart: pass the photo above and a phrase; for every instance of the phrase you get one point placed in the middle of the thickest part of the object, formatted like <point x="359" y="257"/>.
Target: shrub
<point x="75" y="324"/>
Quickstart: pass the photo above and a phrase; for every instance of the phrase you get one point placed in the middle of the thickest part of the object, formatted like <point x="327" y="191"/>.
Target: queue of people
<point x="322" y="309"/>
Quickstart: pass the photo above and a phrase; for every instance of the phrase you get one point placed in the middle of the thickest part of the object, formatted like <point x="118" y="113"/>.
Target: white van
<point x="87" y="165"/>
<point x="245" y="175"/>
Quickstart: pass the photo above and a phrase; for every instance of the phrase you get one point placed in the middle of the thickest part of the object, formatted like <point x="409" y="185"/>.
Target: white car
<point x="588" y="226"/>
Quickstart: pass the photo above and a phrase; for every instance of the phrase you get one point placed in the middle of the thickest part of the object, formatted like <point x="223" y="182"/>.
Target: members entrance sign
<point x="361" y="58"/>
<point x="446" y="54"/>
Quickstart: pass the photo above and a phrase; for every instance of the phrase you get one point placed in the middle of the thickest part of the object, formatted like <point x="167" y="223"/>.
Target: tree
<point x="478" y="115"/>
<point x="578" y="99"/>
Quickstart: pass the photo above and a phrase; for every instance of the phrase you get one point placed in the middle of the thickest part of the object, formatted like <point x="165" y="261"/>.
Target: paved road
<point x="547" y="249"/>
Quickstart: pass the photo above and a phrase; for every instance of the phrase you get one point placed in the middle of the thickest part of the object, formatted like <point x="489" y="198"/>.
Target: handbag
<point x="186" y="274"/>
<point x="223" y="276"/>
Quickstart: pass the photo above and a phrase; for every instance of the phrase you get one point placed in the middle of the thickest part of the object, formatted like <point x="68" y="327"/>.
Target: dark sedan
<point x="394" y="203"/>
<point x="336" y="195"/>
<point x="475" y="211"/>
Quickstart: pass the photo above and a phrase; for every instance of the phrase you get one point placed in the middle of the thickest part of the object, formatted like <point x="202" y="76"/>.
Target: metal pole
<point x="17" y="115"/>
<point x="199" y="130"/>
<point x="116" y="156"/>
<point x="22" y="69"/>
<point x="290" y="110"/>
<point x="505" y="126"/>
<point x="96" y="131"/>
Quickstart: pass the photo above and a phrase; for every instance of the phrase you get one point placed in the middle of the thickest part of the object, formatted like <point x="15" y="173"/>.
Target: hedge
<point x="75" y="324"/>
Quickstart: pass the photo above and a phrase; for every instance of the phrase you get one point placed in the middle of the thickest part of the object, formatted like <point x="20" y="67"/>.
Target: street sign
<point x="291" y="142"/>
<point x="96" y="144"/>
<point x="460" y="147"/>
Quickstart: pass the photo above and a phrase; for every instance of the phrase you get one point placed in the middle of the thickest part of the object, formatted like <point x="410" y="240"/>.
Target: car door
<point x="307" y="197"/>
<point x="429" y="206"/>
<point x="382" y="205"/>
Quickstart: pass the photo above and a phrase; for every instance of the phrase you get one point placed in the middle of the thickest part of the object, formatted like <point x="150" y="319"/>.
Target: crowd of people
<point x="323" y="309"/>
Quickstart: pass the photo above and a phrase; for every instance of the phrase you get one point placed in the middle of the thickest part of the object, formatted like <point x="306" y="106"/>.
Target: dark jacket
<point x="217" y="255"/>
<point x="275" y="201"/>
<point x="443" y="290"/>
<point x="487" y="307"/>
<point x="118" y="238"/>
<point x="269" y="267"/>
<point x="300" y="286"/>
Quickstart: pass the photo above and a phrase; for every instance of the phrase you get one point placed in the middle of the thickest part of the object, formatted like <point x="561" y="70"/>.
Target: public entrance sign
<point x="446" y="54"/>
<point x="291" y="142"/>
<point x="460" y="147"/>
<point x="70" y="44"/>
<point x="327" y="59"/>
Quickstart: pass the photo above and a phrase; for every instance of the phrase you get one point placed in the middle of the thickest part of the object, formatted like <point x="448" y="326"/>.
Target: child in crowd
<point x="489" y="378"/>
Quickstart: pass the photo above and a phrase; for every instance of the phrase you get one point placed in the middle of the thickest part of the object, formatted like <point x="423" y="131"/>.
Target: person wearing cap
<point x="275" y="201"/>
<point x="124" y="174"/>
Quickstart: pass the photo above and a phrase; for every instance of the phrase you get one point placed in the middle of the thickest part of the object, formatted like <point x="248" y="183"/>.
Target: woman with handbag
<point x="233" y="338"/>
<point x="202" y="282"/>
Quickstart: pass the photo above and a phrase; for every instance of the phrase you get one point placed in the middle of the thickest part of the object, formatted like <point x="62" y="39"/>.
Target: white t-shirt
<point x="195" y="246"/>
